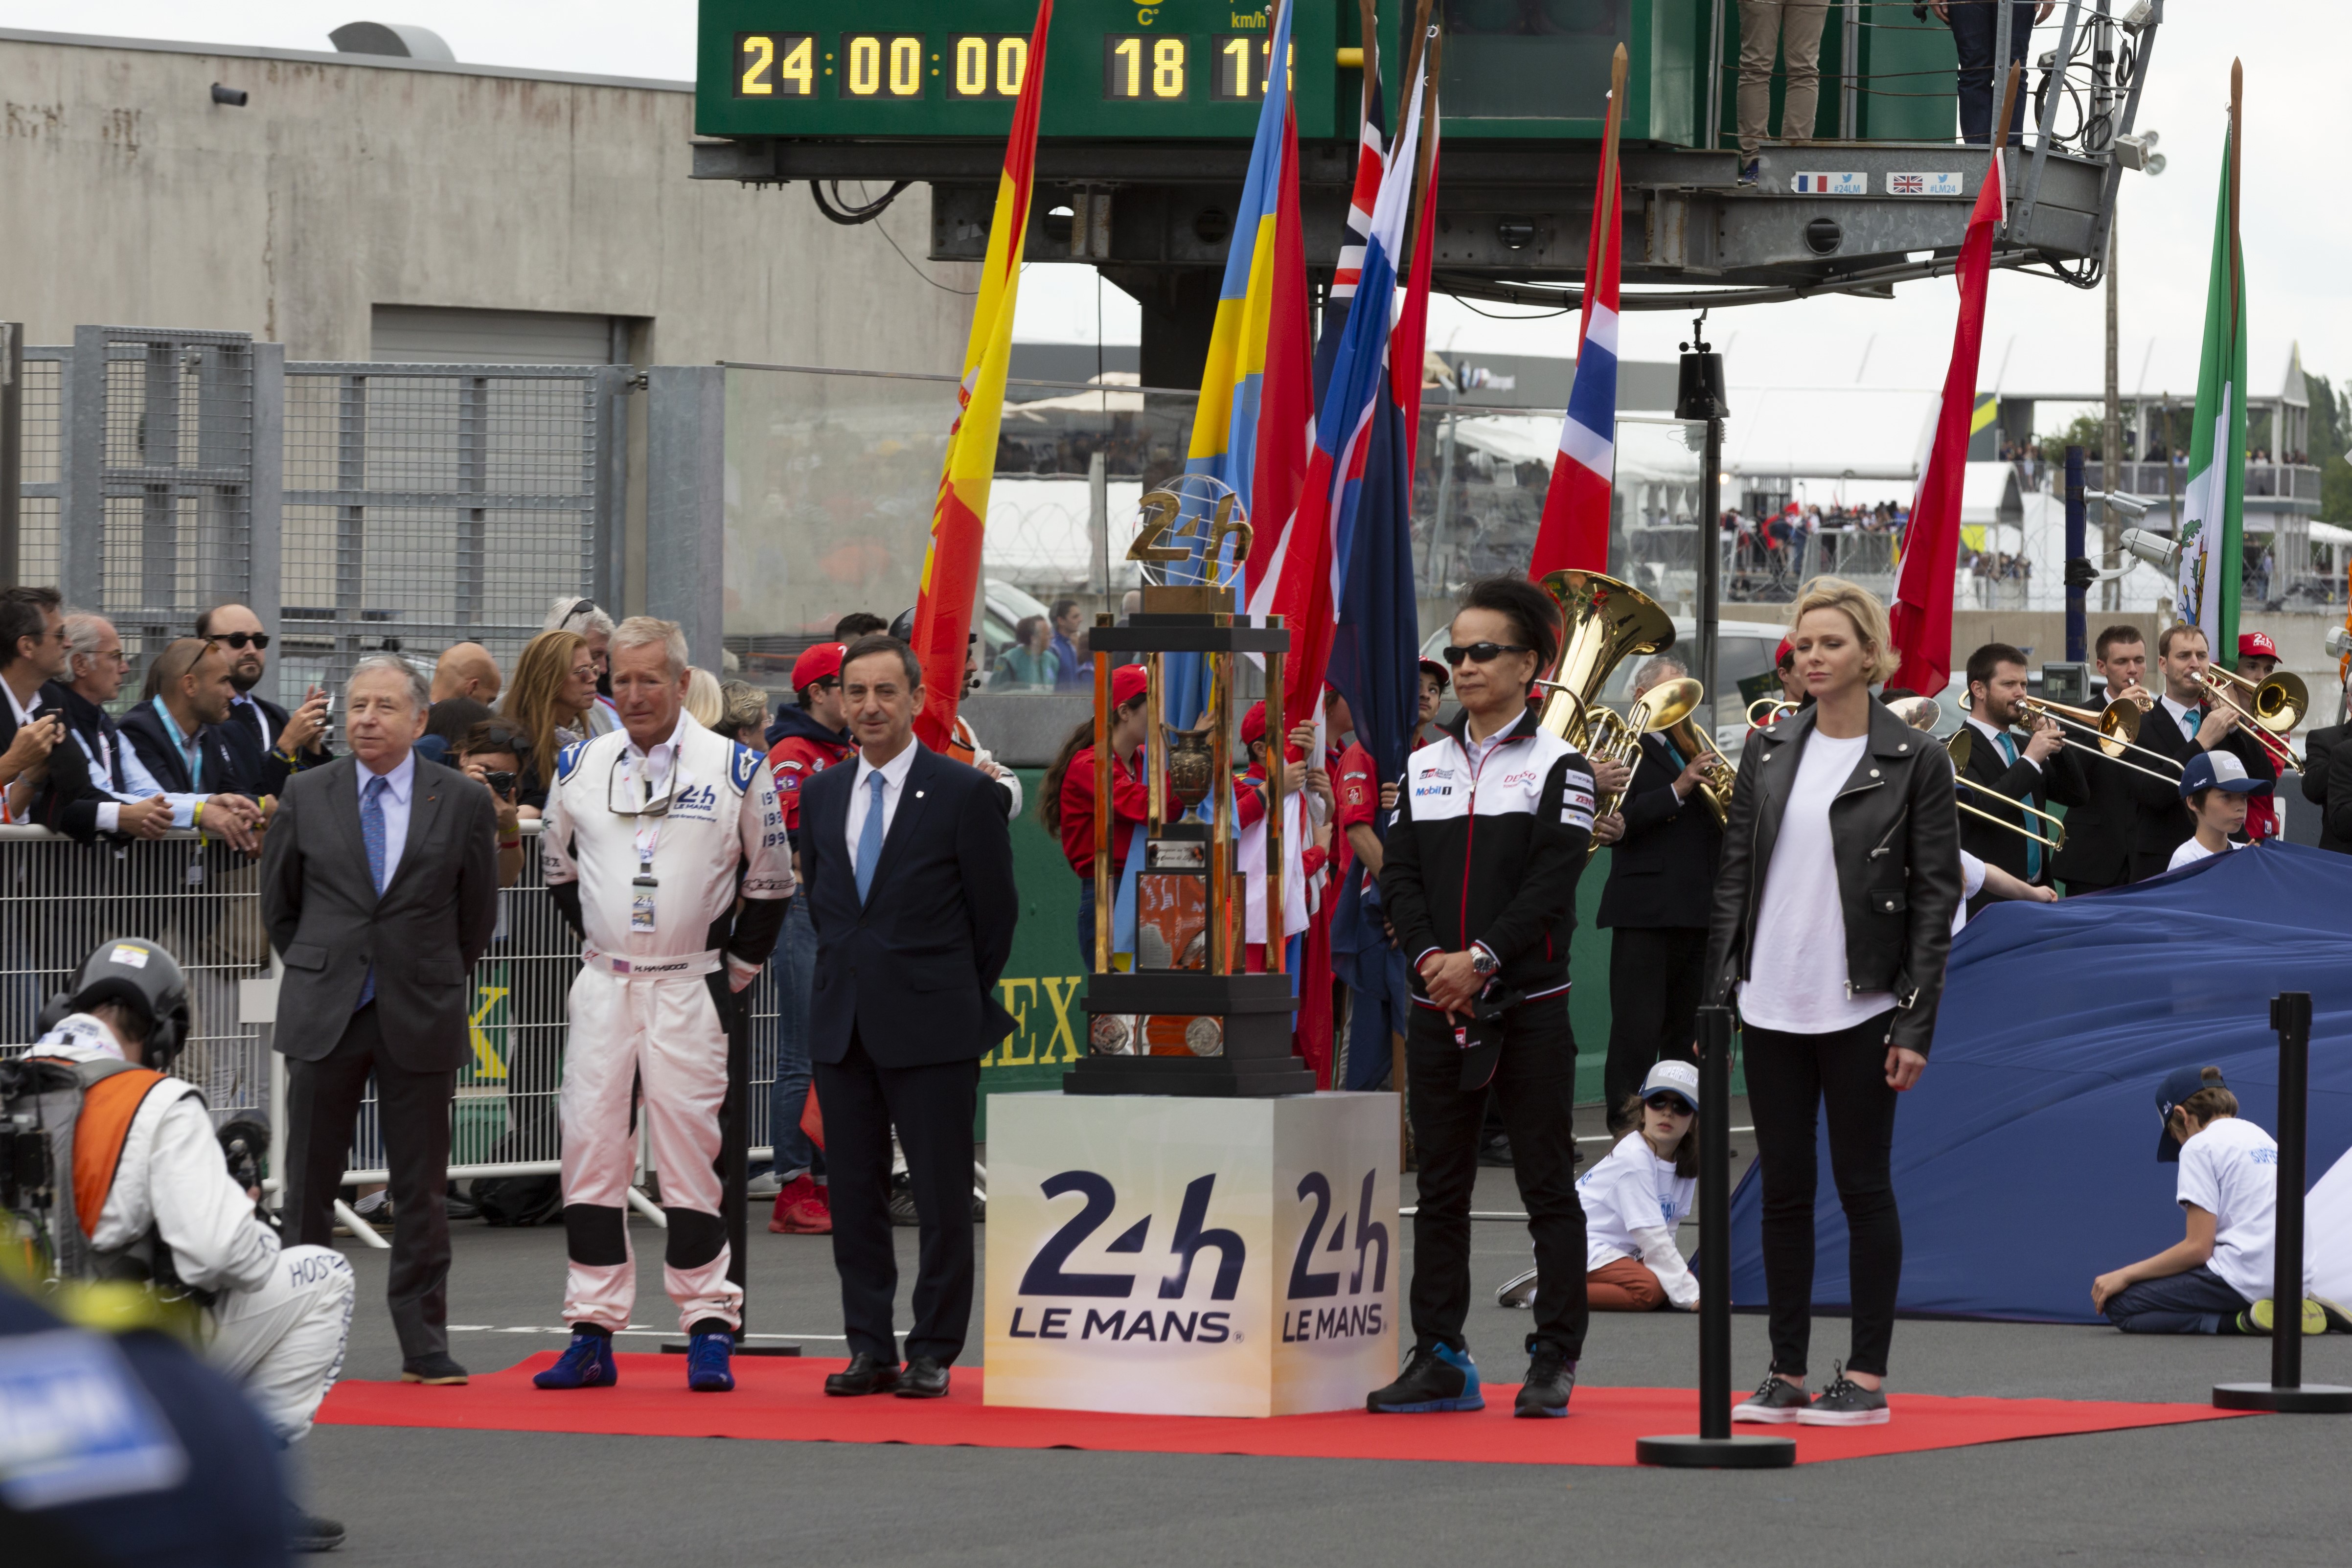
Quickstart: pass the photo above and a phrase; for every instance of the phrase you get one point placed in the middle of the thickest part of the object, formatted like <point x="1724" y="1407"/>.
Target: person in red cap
<point x="804" y="741"/>
<point x="2258" y="660"/>
<point x="1066" y="804"/>
<point x="1250" y="802"/>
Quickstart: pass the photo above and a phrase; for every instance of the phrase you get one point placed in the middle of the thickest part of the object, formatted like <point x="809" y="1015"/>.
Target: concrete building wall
<point x="352" y="180"/>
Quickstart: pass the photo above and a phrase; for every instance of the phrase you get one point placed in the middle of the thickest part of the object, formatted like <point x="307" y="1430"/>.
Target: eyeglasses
<point x="239" y="639"/>
<point x="1484" y="653"/>
<point x="1668" y="1103"/>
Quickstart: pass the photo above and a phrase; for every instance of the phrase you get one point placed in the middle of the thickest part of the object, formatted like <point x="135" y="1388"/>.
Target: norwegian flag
<point x="1574" y="533"/>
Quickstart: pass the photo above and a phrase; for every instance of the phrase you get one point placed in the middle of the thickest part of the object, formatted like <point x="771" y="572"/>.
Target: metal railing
<point x="1759" y="570"/>
<point x="58" y="899"/>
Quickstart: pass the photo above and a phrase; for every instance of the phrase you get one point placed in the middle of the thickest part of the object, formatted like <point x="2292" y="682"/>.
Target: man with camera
<point x="164" y="1208"/>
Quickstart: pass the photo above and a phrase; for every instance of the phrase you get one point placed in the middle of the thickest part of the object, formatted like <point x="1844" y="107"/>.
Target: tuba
<point x="1603" y="623"/>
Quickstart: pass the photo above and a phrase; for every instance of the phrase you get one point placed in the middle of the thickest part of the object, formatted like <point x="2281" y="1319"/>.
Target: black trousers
<point x="1789" y="1076"/>
<point x="1535" y="1084"/>
<point x="933" y="1107"/>
<point x="1654" y="985"/>
<point x="322" y="1107"/>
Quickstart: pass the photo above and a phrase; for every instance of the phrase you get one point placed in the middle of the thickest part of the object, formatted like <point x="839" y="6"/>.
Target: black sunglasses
<point x="238" y="640"/>
<point x="1484" y="653"/>
<point x="1668" y="1103"/>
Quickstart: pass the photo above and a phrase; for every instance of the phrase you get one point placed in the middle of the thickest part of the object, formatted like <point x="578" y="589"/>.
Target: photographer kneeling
<point x="153" y="1200"/>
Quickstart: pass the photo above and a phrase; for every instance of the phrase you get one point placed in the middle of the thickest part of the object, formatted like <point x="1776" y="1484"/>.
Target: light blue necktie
<point x="372" y="832"/>
<point x="2033" y="848"/>
<point x="869" y="837"/>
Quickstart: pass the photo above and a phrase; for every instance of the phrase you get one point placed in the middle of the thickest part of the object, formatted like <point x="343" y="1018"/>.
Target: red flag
<point x="952" y="567"/>
<point x="1922" y="612"/>
<point x="1410" y="341"/>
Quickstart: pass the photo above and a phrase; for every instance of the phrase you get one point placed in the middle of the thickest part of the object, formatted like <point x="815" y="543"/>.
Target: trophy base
<point x="1254" y="1012"/>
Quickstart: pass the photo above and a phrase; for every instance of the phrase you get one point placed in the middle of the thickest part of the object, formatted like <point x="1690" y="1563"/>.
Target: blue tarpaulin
<point x="2025" y="1157"/>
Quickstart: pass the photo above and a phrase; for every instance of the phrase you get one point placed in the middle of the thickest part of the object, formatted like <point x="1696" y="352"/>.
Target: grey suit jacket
<point x="421" y="936"/>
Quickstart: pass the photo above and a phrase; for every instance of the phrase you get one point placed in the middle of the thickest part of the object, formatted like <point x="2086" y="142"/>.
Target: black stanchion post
<point x="1714" y="1447"/>
<point x="735" y="1159"/>
<point x="2286" y="1391"/>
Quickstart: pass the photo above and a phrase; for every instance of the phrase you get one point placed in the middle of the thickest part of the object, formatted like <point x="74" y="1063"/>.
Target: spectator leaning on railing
<point x="127" y="799"/>
<point x="35" y="780"/>
<point x="270" y="743"/>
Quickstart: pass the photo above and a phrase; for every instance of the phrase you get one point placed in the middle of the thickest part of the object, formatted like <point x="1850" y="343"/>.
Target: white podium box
<point x="1172" y="1256"/>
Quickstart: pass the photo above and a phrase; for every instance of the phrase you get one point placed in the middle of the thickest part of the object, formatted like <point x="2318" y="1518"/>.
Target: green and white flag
<point x="2213" y="510"/>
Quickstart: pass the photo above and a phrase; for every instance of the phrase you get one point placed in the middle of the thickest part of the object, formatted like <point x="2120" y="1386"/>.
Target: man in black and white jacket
<point x="1492" y="830"/>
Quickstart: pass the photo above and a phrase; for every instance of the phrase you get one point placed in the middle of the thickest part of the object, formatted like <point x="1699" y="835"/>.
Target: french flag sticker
<point x="1853" y="184"/>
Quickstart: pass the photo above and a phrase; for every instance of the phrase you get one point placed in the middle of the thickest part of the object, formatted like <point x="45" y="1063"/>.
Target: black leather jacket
<point x="1897" y="842"/>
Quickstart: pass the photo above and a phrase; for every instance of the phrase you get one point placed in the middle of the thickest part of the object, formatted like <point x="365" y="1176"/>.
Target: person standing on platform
<point x="1832" y="919"/>
<point x="2027" y="768"/>
<point x="1480" y="881"/>
<point x="809" y="737"/>
<point x="1656" y="908"/>
<point x="909" y="863"/>
<point x="2101" y="793"/>
<point x="664" y="848"/>
<point x="380" y="888"/>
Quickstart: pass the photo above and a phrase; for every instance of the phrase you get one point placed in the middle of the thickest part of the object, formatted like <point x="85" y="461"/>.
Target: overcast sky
<point x="2041" y="336"/>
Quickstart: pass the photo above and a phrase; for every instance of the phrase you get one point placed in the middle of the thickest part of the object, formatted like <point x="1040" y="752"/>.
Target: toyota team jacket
<point x="1491" y="854"/>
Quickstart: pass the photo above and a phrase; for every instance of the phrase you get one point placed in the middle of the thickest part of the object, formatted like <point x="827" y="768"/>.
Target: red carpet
<point x="783" y="1400"/>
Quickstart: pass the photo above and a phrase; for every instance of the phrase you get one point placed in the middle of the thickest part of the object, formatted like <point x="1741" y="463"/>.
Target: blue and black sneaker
<point x="587" y="1362"/>
<point x="1437" y="1378"/>
<point x="707" y="1358"/>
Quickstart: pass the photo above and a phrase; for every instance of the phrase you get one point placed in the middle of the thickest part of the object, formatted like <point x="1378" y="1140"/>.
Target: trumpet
<point x="1689" y="737"/>
<point x="2116" y="725"/>
<point x="2271" y="709"/>
<point x="1959" y="748"/>
<point x="1773" y="709"/>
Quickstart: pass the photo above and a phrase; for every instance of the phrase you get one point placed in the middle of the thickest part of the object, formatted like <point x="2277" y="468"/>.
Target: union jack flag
<point x="1906" y="184"/>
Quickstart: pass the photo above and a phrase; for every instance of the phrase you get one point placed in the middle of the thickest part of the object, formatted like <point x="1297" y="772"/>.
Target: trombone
<point x="2278" y="705"/>
<point x="1922" y="714"/>
<point x="2117" y="726"/>
<point x="1773" y="709"/>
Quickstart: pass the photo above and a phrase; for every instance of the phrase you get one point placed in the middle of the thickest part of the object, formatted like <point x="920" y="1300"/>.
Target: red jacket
<point x="1130" y="803"/>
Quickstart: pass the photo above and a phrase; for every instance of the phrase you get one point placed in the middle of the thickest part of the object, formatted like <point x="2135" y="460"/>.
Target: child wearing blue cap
<point x="2217" y="1278"/>
<point x="2215" y="785"/>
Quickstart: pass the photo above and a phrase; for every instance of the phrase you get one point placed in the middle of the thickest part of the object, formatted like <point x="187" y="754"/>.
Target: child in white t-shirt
<point x="1633" y="1198"/>
<point x="2215" y="786"/>
<point x="2217" y="1278"/>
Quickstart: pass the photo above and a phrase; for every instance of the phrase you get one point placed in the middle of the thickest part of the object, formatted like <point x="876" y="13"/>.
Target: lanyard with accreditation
<point x="621" y="785"/>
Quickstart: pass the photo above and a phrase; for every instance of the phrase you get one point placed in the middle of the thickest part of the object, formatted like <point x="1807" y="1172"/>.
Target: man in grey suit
<point x="379" y="885"/>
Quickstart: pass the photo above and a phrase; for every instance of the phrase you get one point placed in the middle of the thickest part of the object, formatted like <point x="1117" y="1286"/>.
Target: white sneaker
<point x="1845" y="1403"/>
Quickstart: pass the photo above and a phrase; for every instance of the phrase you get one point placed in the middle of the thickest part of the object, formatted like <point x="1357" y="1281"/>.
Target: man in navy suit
<point x="909" y="866"/>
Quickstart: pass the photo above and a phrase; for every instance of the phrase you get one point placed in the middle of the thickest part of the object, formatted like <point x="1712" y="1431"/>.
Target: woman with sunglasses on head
<point x="553" y="692"/>
<point x="1832" y="917"/>
<point x="1479" y="881"/>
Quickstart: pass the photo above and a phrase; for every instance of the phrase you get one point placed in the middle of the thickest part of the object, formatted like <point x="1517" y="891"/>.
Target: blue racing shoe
<point x="586" y="1363"/>
<point x="1438" y="1379"/>
<point x="707" y="1358"/>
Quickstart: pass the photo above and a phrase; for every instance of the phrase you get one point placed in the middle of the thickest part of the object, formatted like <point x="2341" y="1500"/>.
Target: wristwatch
<point x="1484" y="962"/>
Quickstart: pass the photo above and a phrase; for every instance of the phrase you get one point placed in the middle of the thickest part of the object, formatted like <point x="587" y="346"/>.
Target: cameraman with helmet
<point x="150" y="1198"/>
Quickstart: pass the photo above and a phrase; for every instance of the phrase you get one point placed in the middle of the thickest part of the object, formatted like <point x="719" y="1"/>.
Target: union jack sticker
<point x="1943" y="183"/>
<point x="1845" y="184"/>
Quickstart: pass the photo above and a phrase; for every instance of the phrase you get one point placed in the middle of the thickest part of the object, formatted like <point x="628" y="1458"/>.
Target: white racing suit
<point x="643" y="1011"/>
<point x="280" y="1316"/>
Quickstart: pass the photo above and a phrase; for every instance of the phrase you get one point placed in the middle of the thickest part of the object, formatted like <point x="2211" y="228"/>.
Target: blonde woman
<point x="554" y="687"/>
<point x="1832" y="917"/>
<point x="703" y="698"/>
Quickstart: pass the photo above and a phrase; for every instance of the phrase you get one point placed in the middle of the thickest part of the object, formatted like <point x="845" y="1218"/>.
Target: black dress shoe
<point x="924" y="1379"/>
<point x="309" y="1532"/>
<point x="436" y="1370"/>
<point x="865" y="1374"/>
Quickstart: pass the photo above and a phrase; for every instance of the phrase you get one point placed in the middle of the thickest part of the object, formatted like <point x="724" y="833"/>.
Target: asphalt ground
<point x="2260" y="1487"/>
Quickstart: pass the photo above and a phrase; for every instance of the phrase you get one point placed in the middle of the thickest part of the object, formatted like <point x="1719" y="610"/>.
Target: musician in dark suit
<point x="1656" y="907"/>
<point x="380" y="879"/>
<point x="909" y="868"/>
<point x="2327" y="784"/>
<point x="2009" y="766"/>
<point x="2102" y="794"/>
<point x="2180" y="725"/>
<point x="271" y="745"/>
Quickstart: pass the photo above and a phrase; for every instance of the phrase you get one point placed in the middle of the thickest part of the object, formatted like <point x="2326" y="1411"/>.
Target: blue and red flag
<point x="1255" y="422"/>
<point x="1574" y="533"/>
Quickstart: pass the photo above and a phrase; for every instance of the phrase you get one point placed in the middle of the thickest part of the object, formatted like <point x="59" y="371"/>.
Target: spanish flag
<point x="952" y="565"/>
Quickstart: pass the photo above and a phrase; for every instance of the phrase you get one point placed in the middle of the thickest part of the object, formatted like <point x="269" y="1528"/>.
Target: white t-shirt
<point x="2190" y="851"/>
<point x="2230" y="1171"/>
<point x="1797" y="977"/>
<point x="1971" y="883"/>
<point x="1629" y="1189"/>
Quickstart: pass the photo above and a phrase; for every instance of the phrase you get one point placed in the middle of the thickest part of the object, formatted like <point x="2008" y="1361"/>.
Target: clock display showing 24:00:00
<point x="1137" y="67"/>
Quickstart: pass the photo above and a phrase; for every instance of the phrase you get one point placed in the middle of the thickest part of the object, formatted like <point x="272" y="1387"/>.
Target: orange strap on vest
<point x="107" y="1110"/>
